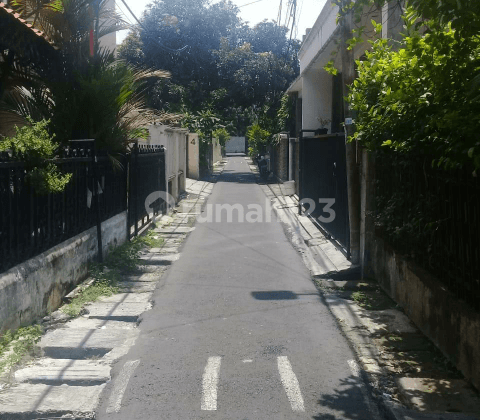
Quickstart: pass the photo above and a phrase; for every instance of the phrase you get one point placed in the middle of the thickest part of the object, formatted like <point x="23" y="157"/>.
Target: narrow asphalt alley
<point x="237" y="330"/>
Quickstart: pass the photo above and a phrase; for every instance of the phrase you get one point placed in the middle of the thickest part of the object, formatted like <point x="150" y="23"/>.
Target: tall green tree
<point x="178" y="36"/>
<point x="217" y="61"/>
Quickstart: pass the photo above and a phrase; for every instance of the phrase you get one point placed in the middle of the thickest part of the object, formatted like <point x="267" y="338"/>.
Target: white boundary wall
<point x="235" y="145"/>
<point x="37" y="286"/>
<point x="175" y="142"/>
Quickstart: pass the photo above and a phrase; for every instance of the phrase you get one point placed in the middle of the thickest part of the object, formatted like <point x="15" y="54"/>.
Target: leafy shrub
<point x="222" y="135"/>
<point x="33" y="145"/>
<point x="423" y="98"/>
<point x="285" y="113"/>
<point x="258" y="138"/>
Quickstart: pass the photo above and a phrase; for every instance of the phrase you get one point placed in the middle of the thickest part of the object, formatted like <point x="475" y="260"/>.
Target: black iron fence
<point x="146" y="176"/>
<point x="432" y="216"/>
<point x="323" y="180"/>
<point x="31" y="223"/>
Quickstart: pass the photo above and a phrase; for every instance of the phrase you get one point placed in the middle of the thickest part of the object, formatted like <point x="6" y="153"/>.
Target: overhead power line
<point x="124" y="15"/>
<point x="248" y="4"/>
<point x="159" y="43"/>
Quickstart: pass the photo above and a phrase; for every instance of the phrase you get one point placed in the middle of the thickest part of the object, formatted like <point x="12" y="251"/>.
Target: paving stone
<point x="127" y="298"/>
<point x="186" y="207"/>
<point x="178" y="224"/>
<point x="39" y="401"/>
<point x="324" y="263"/>
<point x="159" y="259"/>
<point x="120" y="311"/>
<point x="343" y="311"/>
<point x="439" y="395"/>
<point x="136" y="286"/>
<point x="70" y="343"/>
<point x="64" y="371"/>
<point x="316" y="241"/>
<point x="152" y="269"/>
<point x="388" y="320"/>
<point x="100" y="324"/>
<point x="190" y="213"/>
<point x="164" y="250"/>
<point x="401" y="413"/>
<point x="185" y="221"/>
<point x="144" y="277"/>
<point x="174" y="239"/>
<point x="353" y="285"/>
<point x="174" y="230"/>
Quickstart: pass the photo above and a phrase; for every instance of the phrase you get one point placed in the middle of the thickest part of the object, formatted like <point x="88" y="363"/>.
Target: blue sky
<point x="250" y="10"/>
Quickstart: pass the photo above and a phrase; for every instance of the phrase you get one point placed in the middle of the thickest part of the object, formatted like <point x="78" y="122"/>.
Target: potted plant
<point x="323" y="123"/>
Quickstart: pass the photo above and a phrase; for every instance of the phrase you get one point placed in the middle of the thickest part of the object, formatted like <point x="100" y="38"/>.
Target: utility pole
<point x="353" y="176"/>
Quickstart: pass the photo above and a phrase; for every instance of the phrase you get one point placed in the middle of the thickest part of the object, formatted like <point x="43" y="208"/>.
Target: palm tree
<point x="67" y="22"/>
<point x="84" y="96"/>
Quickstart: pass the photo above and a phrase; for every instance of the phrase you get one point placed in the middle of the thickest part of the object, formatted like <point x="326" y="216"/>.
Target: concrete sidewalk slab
<point x="101" y="324"/>
<point x="423" y="393"/>
<point x="118" y="311"/>
<point x="69" y="343"/>
<point x="174" y="229"/>
<point x="136" y="286"/>
<point x="126" y="298"/>
<point x="397" y="412"/>
<point x="159" y="259"/>
<point x="146" y="277"/>
<point x="65" y="371"/>
<point x="39" y="401"/>
<point x="164" y="250"/>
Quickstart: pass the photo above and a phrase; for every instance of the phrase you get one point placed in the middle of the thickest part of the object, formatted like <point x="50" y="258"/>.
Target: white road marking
<point x="121" y="383"/>
<point x="247" y="361"/>
<point x="290" y="383"/>
<point x="210" y="382"/>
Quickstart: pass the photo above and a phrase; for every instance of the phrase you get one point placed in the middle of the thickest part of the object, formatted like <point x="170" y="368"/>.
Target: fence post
<point x="301" y="162"/>
<point x="128" y="191"/>
<point x="135" y="186"/>
<point x="97" y="202"/>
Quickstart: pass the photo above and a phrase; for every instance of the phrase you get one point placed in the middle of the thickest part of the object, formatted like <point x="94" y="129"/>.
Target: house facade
<point x="439" y="313"/>
<point x="318" y="93"/>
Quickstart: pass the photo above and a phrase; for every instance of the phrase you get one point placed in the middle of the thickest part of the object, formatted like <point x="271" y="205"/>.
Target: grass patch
<point x="123" y="258"/>
<point x="15" y="345"/>
<point x="395" y="338"/>
<point x="362" y="299"/>
<point x="126" y="256"/>
<point x="373" y="300"/>
<point x="104" y="285"/>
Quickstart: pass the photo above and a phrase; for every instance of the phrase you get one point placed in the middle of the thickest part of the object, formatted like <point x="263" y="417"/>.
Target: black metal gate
<point x="323" y="183"/>
<point x="146" y="176"/>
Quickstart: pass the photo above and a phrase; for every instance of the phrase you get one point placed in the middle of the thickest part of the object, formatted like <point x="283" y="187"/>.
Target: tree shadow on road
<point x="347" y="402"/>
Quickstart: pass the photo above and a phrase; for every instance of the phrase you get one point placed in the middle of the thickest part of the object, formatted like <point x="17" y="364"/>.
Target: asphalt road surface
<point x="238" y="330"/>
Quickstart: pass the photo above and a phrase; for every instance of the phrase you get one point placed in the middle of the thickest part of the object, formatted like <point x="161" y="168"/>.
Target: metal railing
<point x="432" y="216"/>
<point x="31" y="223"/>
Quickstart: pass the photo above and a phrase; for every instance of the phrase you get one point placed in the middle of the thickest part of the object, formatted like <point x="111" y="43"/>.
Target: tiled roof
<point x="6" y="11"/>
